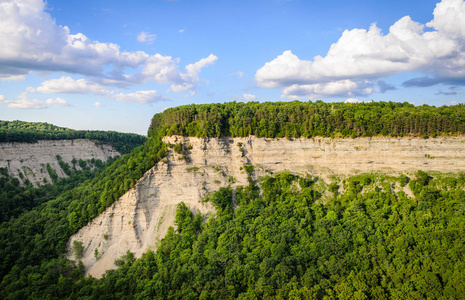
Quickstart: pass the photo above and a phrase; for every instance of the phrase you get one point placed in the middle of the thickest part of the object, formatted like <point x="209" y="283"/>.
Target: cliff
<point x="142" y="216"/>
<point x="30" y="159"/>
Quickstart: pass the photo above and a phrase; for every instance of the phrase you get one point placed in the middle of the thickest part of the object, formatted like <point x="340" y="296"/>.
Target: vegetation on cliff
<point x="16" y="199"/>
<point x="369" y="241"/>
<point x="309" y="119"/>
<point x="31" y="132"/>
<point x="39" y="236"/>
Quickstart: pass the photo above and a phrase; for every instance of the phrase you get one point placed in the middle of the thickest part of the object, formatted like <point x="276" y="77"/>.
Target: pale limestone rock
<point x="142" y="216"/>
<point x="31" y="158"/>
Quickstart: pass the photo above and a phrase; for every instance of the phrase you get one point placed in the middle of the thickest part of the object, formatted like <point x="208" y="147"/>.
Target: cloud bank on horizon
<point x="357" y="62"/>
<point x="32" y="41"/>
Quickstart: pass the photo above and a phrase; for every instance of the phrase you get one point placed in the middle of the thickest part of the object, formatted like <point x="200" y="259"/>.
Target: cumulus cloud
<point x="32" y="41"/>
<point x="449" y="18"/>
<point x="57" y="101"/>
<point x="142" y="97"/>
<point x="145" y="37"/>
<point x="249" y="97"/>
<point x="341" y="88"/>
<point x="353" y="100"/>
<point x="194" y="69"/>
<point x="27" y="104"/>
<point x="97" y="104"/>
<point x="191" y="77"/>
<point x="24" y="103"/>
<point x="362" y="55"/>
<point x="66" y="84"/>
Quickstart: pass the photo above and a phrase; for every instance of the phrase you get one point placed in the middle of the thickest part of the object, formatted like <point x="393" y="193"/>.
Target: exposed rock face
<point x="31" y="158"/>
<point x="142" y="216"/>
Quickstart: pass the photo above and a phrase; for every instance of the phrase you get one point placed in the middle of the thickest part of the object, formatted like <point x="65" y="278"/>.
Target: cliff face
<point x="142" y="216"/>
<point x="31" y="158"/>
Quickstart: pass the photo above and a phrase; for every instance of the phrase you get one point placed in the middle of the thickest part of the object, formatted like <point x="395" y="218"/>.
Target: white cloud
<point x="24" y="103"/>
<point x="157" y="68"/>
<point x="191" y="77"/>
<point x="181" y="30"/>
<point x="57" y="101"/>
<point x="367" y="55"/>
<point x="32" y="41"/>
<point x="195" y="68"/>
<point x="449" y="17"/>
<point x="13" y="78"/>
<point x="249" y="97"/>
<point x="142" y="97"/>
<point x="27" y="104"/>
<point x="341" y="88"/>
<point x="353" y="100"/>
<point x="239" y="74"/>
<point x="97" y="104"/>
<point x="146" y="37"/>
<point x="66" y="84"/>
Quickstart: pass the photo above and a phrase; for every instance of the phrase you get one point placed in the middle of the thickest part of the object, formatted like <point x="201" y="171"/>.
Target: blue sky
<point x="111" y="65"/>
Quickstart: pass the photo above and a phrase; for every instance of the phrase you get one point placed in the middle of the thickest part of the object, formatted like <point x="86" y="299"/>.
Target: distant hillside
<point x="310" y="119"/>
<point x="45" y="161"/>
<point x="31" y="132"/>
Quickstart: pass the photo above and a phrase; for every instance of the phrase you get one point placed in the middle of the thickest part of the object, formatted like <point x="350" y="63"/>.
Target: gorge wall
<point x="142" y="216"/>
<point x="30" y="159"/>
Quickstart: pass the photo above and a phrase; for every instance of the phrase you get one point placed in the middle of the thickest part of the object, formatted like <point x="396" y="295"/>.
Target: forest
<point x="16" y="199"/>
<point x="40" y="235"/>
<point x="31" y="132"/>
<point x="289" y="237"/>
<point x="309" y="119"/>
<point x="368" y="240"/>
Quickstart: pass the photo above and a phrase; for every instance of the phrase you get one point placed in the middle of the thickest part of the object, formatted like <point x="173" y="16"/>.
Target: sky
<point x="112" y="65"/>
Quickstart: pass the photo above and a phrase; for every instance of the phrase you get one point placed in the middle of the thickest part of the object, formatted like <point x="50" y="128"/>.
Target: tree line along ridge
<point x="309" y="119"/>
<point x="367" y="241"/>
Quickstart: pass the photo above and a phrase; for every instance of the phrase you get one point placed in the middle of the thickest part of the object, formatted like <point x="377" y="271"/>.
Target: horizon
<point x="110" y="65"/>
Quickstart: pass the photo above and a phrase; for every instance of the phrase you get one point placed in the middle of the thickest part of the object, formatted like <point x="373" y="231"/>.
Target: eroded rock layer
<point x="30" y="159"/>
<point x="142" y="216"/>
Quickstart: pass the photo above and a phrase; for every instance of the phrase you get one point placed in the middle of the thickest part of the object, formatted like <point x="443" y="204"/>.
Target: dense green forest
<point x="31" y="132"/>
<point x="16" y="199"/>
<point x="40" y="235"/>
<point x="368" y="240"/>
<point x="289" y="238"/>
<point x="309" y="119"/>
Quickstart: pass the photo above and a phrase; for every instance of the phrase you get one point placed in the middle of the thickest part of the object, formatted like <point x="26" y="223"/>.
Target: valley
<point x="241" y="201"/>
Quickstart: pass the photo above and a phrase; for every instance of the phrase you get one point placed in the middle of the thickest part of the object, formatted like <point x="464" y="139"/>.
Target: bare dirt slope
<point x="142" y="216"/>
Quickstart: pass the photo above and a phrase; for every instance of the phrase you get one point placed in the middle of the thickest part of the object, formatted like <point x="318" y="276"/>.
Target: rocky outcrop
<point x="142" y="216"/>
<point x="30" y="159"/>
